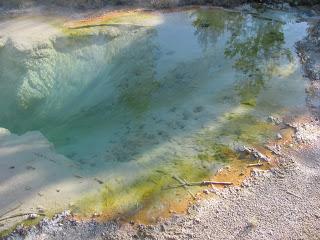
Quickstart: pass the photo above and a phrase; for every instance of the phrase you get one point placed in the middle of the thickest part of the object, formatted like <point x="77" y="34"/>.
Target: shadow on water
<point x="107" y="103"/>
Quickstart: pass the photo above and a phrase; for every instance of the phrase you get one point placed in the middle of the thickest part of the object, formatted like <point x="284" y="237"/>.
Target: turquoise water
<point x="124" y="104"/>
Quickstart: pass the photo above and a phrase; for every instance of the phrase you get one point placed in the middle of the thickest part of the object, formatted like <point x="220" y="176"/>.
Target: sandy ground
<point x="282" y="203"/>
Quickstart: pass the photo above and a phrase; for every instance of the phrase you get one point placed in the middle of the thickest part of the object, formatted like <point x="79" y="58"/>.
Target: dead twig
<point x="184" y="185"/>
<point x="20" y="215"/>
<point x="11" y="210"/>
<point x="98" y="180"/>
<point x="77" y="176"/>
<point x="254" y="152"/>
<point x="292" y="194"/>
<point x="208" y="183"/>
<point x="255" y="165"/>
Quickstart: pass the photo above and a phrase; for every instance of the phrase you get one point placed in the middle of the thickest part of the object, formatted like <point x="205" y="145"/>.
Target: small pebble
<point x="214" y="190"/>
<point x="206" y="191"/>
<point x="171" y="211"/>
<point x="197" y="220"/>
<point x="162" y="228"/>
<point x="32" y="216"/>
<point x="40" y="209"/>
<point x="94" y="215"/>
<point x="279" y="136"/>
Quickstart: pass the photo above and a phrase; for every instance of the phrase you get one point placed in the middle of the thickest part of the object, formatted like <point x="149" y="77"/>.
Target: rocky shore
<point x="309" y="52"/>
<point x="281" y="203"/>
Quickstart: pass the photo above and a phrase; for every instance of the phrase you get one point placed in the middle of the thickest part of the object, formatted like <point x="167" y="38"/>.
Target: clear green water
<point x="139" y="106"/>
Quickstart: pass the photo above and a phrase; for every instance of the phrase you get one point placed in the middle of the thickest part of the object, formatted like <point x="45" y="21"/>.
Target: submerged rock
<point x="40" y="209"/>
<point x="279" y="136"/>
<point x="198" y="109"/>
<point x="274" y="120"/>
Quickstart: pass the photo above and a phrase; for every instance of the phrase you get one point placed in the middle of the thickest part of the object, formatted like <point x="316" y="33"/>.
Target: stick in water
<point x="21" y="215"/>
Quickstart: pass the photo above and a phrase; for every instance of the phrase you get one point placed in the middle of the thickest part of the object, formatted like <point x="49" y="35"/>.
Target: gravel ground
<point x="282" y="203"/>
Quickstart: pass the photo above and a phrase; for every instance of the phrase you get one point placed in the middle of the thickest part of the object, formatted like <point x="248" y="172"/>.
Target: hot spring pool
<point x="133" y="101"/>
